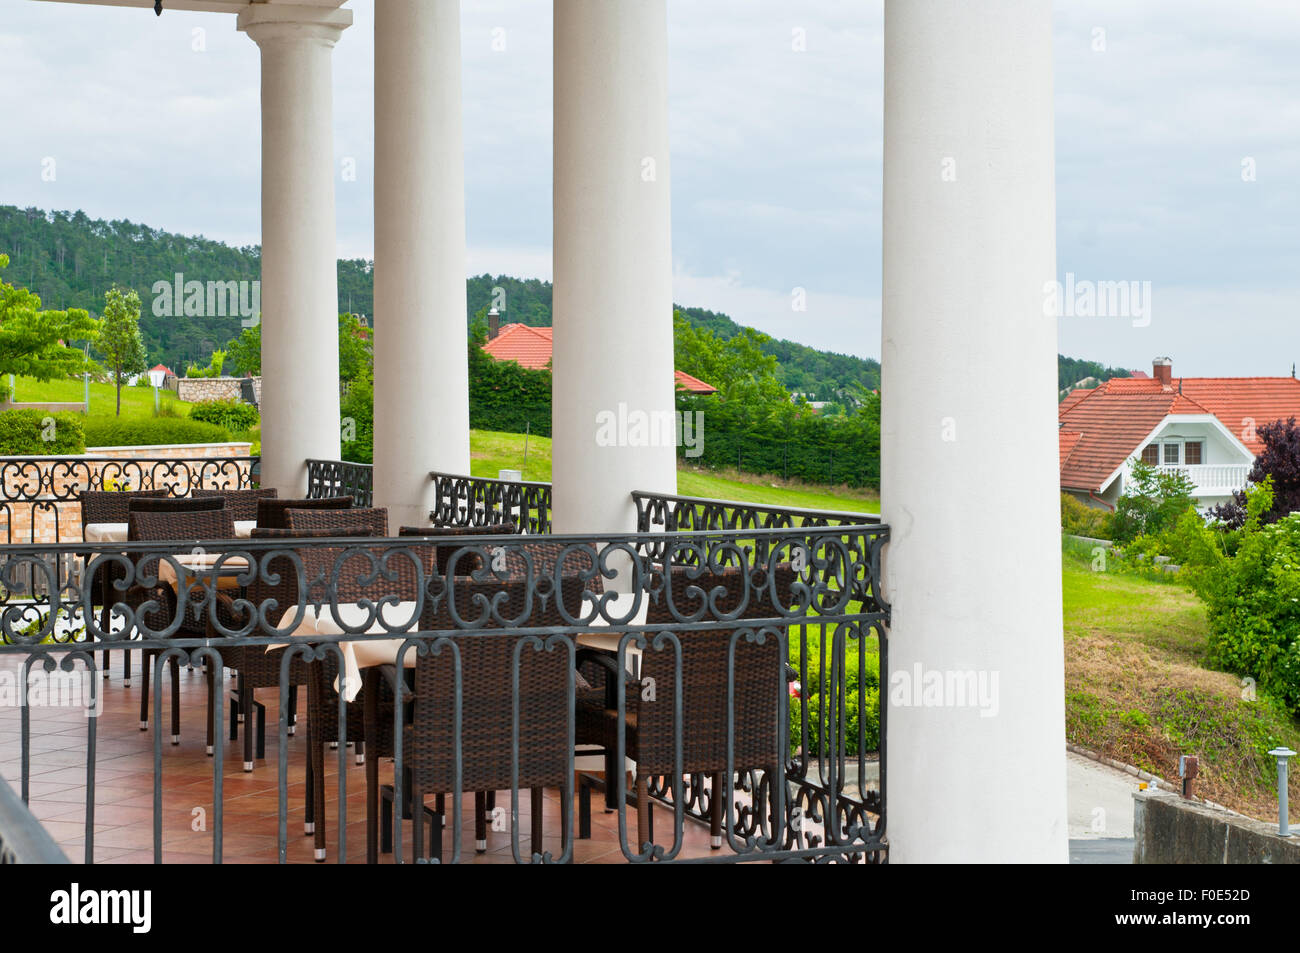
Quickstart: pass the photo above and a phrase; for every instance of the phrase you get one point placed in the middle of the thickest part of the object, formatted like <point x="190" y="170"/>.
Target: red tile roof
<point x="1074" y="397"/>
<point x="694" y="385"/>
<point x="1111" y="421"/>
<point x="531" y="347"/>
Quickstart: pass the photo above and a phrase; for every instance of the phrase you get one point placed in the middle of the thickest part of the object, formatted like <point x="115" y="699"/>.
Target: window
<point x="1192" y="453"/>
<point x="1171" y="454"/>
<point x="1151" y="455"/>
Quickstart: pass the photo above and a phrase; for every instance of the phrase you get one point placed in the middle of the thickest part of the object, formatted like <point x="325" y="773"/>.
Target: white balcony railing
<point x="1215" y="478"/>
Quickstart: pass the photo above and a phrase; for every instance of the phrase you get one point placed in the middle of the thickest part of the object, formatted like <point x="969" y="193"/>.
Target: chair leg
<point x="644" y="821"/>
<point x="261" y="729"/>
<point x="246" y="707"/>
<point x="417" y="824"/>
<point x="584" y="808"/>
<point x="318" y="760"/>
<point x="566" y="798"/>
<point x="176" y="700"/>
<point x="126" y="668"/>
<point x="715" y="812"/>
<point x="480" y="822"/>
<point x="293" y="709"/>
<point x="212" y="707"/>
<point x="386" y="820"/>
<point x="146" y="668"/>
<point x="536" y="802"/>
<point x="105" y="663"/>
<point x="309" y="816"/>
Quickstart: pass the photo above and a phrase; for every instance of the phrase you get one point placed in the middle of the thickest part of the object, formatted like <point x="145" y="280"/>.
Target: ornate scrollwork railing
<point x="340" y="478"/>
<point x="804" y="599"/>
<point x="483" y="501"/>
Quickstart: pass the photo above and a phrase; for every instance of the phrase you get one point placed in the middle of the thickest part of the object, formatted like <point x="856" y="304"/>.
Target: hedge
<point x="33" y="432"/>
<point x="137" y="432"/>
<point x="506" y="397"/>
<point x="234" y="415"/>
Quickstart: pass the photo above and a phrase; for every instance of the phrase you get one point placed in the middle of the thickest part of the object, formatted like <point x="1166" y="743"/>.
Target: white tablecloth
<point x="359" y="655"/>
<point x="116" y="532"/>
<point x="195" y="563"/>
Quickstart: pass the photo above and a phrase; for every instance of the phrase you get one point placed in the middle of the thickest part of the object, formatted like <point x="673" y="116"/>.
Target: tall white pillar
<point x="613" y="357"/>
<point x="300" y="352"/>
<point x="421" y="371"/>
<point x="969" y="481"/>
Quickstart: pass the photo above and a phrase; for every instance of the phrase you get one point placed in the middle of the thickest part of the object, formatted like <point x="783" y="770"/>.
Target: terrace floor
<point x="124" y="789"/>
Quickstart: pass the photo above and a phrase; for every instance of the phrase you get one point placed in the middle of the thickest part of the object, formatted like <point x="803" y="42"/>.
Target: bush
<point x="810" y="687"/>
<point x="234" y="415"/>
<point x="150" y="431"/>
<point x="34" y="432"/>
<point x="1080" y="519"/>
<point x="1154" y="501"/>
<point x="1253" y="608"/>
<point x="358" y="421"/>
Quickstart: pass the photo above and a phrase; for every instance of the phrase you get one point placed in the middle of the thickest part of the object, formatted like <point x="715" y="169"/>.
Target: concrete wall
<point x="52" y="406"/>
<point x="1170" y="830"/>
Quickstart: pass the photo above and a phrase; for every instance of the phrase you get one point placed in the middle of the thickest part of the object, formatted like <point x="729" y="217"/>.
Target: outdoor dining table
<point x="330" y="621"/>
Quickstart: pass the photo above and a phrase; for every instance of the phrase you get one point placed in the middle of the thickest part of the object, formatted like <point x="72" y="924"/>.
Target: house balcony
<point x="1215" y="479"/>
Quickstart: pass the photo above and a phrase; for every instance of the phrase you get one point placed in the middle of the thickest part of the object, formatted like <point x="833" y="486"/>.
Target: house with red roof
<point x="531" y="347"/>
<point x="1204" y="426"/>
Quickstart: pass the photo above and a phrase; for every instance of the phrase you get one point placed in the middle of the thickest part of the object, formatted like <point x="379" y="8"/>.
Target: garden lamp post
<point x="156" y="377"/>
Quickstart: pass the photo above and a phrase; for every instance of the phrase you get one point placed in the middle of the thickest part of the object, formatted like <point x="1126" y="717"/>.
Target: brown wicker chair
<point x="270" y="510"/>
<point x="241" y="503"/>
<point x="759" y="677"/>
<point x="107" y="506"/>
<point x="444" y="551"/>
<point x="313" y="519"/>
<point x="487" y="670"/>
<point x="255" y="666"/>
<point x="184" y="527"/>
<point x="177" y="504"/>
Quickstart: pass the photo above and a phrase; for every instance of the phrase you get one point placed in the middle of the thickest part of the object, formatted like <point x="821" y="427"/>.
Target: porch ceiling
<point x="208" y="6"/>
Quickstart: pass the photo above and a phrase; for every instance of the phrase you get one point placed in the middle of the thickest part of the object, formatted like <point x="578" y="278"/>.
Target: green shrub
<point x="1253" y="608"/>
<point x="811" y="688"/>
<point x="148" y="431"/>
<point x="234" y="415"/>
<point x="1080" y="519"/>
<point x="34" y="432"/>
<point x="357" y="413"/>
<point x="1152" y="502"/>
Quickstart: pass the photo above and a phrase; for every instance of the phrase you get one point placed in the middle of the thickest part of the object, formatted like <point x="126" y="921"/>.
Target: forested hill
<point x="70" y="260"/>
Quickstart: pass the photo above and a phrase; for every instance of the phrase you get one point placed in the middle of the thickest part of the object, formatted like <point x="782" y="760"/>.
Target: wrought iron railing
<point x="684" y="513"/>
<point x="38" y="491"/>
<point x="809" y="595"/>
<point x="340" y="478"/>
<point x="22" y="838"/>
<point x="482" y="501"/>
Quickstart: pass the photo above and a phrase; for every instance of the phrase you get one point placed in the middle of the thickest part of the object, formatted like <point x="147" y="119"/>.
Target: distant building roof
<point x="531" y="347"/>
<point x="164" y="368"/>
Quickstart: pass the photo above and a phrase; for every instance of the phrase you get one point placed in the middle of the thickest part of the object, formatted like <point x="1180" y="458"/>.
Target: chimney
<point x="1162" y="369"/>
<point x="494" y="324"/>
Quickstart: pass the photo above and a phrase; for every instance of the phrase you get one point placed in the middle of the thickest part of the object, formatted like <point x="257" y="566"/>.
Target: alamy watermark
<point x="945" y="688"/>
<point x="655" y="428"/>
<point x="212" y="299"/>
<point x="56" y="689"/>
<point x="1084" y="298"/>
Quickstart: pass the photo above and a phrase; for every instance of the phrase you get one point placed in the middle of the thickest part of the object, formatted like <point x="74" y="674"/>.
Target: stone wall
<point x="35" y="491"/>
<point x="196" y="390"/>
<point x="79" y="407"/>
<point x="1168" y="829"/>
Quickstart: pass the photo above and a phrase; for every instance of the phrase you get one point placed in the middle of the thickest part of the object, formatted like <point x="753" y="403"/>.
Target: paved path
<point x="1099" y="811"/>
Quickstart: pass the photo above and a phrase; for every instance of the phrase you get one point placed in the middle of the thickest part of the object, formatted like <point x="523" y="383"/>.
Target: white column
<point x="613" y="356"/>
<point x="969" y="482"/>
<point x="421" y="371"/>
<point x="300" y="353"/>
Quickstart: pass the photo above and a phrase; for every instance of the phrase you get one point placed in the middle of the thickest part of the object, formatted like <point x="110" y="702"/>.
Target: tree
<point x="1280" y="459"/>
<point x="37" y="343"/>
<point x="355" y="351"/>
<point x="1152" y="503"/>
<point x="245" y="351"/>
<point x="736" y="366"/>
<point x="119" y="338"/>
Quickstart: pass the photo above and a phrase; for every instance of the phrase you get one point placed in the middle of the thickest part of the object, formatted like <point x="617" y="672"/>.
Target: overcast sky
<point x="1164" y="109"/>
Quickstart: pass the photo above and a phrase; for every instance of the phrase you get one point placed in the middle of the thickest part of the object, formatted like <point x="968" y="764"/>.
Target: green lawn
<point x="1136" y="689"/>
<point x="136" y="401"/>
<point x="492" y="452"/>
